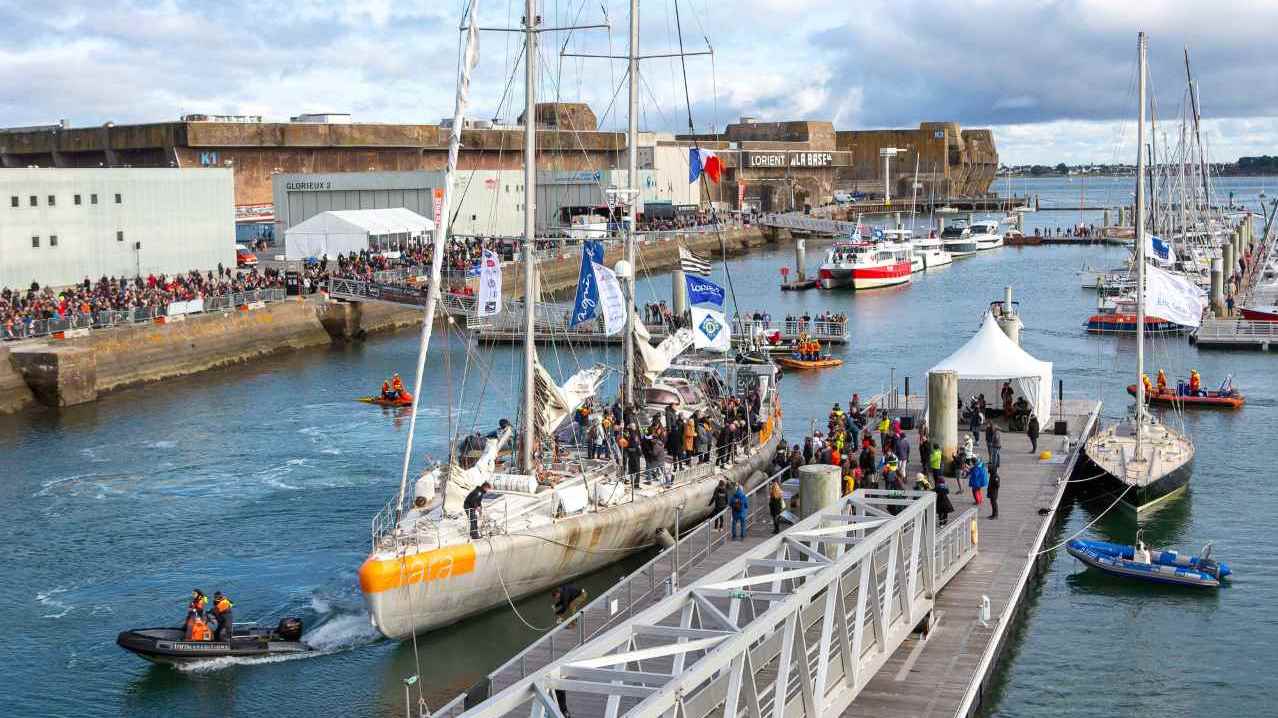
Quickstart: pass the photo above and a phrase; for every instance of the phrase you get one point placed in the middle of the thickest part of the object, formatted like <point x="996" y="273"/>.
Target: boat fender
<point x="1045" y="455"/>
<point x="664" y="538"/>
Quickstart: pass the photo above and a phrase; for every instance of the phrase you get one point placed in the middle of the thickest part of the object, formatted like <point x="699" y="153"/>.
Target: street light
<point x="887" y="153"/>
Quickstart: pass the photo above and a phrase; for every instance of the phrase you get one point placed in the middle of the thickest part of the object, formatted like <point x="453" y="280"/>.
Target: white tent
<point x="990" y="358"/>
<point x="335" y="232"/>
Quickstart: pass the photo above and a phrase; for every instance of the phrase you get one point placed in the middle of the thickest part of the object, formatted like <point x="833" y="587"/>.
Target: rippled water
<point x="260" y="480"/>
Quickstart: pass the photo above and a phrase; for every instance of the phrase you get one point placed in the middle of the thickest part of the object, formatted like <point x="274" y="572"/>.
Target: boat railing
<point x="658" y="577"/>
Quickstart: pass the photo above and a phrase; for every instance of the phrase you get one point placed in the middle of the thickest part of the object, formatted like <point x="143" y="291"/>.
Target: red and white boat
<point x="1260" y="313"/>
<point x="866" y="265"/>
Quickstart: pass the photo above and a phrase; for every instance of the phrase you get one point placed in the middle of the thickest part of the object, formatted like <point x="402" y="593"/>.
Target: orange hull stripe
<point x="377" y="575"/>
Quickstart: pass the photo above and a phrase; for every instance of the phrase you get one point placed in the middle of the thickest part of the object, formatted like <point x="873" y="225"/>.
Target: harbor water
<point x="261" y="480"/>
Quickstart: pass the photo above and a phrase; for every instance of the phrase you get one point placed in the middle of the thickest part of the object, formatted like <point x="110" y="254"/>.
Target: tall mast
<point x="1140" y="250"/>
<point x="1198" y="136"/>
<point x="530" y="217"/>
<point x="470" y="55"/>
<point x="632" y="180"/>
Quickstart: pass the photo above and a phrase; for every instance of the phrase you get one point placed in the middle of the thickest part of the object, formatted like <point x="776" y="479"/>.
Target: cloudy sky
<point x="1055" y="79"/>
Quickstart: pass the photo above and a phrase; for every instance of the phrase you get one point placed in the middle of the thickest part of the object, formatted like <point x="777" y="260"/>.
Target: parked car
<point x="243" y="257"/>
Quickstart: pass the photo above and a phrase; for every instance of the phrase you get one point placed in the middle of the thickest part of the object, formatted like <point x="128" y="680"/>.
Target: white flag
<point x="1173" y="297"/>
<point x="612" y="303"/>
<point x="1161" y="251"/>
<point x="489" y="285"/>
<point x="710" y="330"/>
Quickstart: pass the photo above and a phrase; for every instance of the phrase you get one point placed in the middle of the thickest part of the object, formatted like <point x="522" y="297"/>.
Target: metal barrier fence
<point x="622" y="601"/>
<point x="140" y="315"/>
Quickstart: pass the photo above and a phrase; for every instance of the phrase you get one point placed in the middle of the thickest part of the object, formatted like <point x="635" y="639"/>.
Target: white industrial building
<point x="335" y="232"/>
<point x="58" y="226"/>
<point x="488" y="202"/>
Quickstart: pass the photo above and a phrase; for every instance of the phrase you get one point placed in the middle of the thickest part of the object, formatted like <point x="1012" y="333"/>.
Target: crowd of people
<point x="21" y="309"/>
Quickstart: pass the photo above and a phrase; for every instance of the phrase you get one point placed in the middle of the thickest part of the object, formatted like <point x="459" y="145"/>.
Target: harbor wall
<point x="78" y="369"/>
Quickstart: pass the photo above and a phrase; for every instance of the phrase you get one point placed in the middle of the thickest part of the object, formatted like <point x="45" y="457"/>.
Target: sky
<point x="1054" y="79"/>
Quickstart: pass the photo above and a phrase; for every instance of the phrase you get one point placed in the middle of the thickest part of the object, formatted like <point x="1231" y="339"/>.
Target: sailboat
<point x="554" y="512"/>
<point x="1143" y="460"/>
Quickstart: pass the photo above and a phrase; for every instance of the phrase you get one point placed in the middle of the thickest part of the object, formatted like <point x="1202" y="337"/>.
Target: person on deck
<point x="977" y="478"/>
<point x="1162" y="381"/>
<point x="1195" y="383"/>
<point x="1006" y="395"/>
<point x="934" y="463"/>
<point x="776" y="505"/>
<point x="719" y="502"/>
<point x="568" y="600"/>
<point x="1032" y="433"/>
<point x="993" y="491"/>
<point x="474" y="506"/>
<point x="1149" y="387"/>
<point x="994" y="443"/>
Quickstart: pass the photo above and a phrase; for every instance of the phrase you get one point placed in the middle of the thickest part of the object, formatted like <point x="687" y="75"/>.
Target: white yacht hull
<point x="1143" y="487"/>
<point x="433" y="588"/>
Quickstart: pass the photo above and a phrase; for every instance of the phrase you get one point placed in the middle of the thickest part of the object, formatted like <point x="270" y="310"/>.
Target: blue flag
<point x="586" y="305"/>
<point x="703" y="291"/>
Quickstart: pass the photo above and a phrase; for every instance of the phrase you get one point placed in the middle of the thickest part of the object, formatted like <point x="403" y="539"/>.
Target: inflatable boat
<point x="1207" y="399"/>
<point x="822" y="363"/>
<point x="403" y="400"/>
<point x="169" y="645"/>
<point x="1152" y="565"/>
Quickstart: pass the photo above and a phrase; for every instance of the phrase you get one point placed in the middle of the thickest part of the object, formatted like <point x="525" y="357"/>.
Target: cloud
<point x="1054" y="78"/>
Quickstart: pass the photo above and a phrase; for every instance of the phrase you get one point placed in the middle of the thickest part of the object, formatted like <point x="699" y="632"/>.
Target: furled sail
<point x="556" y="402"/>
<point x="650" y="361"/>
<point x="461" y="481"/>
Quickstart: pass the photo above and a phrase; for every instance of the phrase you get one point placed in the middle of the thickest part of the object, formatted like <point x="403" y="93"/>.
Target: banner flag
<point x="586" y="304"/>
<point x="703" y="291"/>
<point x="710" y="330"/>
<point x="489" y="285"/>
<point x="611" y="300"/>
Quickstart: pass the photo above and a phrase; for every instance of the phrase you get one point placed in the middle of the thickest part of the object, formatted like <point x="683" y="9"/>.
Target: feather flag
<point x="700" y="161"/>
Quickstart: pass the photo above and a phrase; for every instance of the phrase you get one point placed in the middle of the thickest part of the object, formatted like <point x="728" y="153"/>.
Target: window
<point x="13" y="201"/>
<point x="117" y="198"/>
<point x="77" y="200"/>
<point x="53" y="200"/>
<point x="35" y="242"/>
<point x="53" y="240"/>
<point x="119" y="235"/>
<point x="93" y="199"/>
<point x="35" y="201"/>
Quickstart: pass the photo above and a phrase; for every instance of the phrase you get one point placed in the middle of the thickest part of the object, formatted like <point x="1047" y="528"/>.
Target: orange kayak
<point x="404" y="399"/>
<point x="1209" y="399"/>
<point x="823" y="363"/>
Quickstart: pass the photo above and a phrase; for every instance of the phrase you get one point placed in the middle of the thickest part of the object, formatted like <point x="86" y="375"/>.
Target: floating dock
<point x="762" y="630"/>
<point x="1236" y="334"/>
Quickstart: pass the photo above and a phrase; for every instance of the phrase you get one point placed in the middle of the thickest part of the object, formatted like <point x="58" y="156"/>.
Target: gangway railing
<point x="796" y="626"/>
<point x="807" y="223"/>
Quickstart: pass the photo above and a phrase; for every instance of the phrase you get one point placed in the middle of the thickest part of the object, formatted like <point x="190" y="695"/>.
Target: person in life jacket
<point x="222" y="610"/>
<point x="199" y="602"/>
<point x="1195" y="382"/>
<point x="197" y="629"/>
<point x="1162" y="381"/>
<point x="397" y="386"/>
<point x="1149" y="387"/>
<point x="386" y="390"/>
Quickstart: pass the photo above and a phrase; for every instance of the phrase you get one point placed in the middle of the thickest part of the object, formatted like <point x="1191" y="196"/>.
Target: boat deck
<point x="949" y="673"/>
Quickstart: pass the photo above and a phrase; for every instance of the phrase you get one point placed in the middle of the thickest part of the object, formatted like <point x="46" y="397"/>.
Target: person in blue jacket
<point x="977" y="478"/>
<point x="739" y="504"/>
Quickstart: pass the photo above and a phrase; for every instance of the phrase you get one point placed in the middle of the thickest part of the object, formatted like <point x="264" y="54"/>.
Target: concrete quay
<point x="77" y="369"/>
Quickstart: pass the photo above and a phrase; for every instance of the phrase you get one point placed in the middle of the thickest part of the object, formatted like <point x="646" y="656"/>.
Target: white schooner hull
<point x="427" y="589"/>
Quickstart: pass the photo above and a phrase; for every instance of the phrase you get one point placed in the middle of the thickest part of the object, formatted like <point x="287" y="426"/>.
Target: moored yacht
<point x="958" y="241"/>
<point x="866" y="265"/>
<point x="985" y="234"/>
<point x="931" y="251"/>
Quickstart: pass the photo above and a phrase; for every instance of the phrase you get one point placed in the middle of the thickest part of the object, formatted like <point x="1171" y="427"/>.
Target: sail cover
<point x="989" y="358"/>
<point x="650" y="361"/>
<point x="555" y="402"/>
<point x="461" y="481"/>
<point x="1173" y="297"/>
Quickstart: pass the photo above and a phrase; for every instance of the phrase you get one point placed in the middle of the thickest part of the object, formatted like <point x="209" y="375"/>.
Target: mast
<point x="469" y="58"/>
<point x="1198" y="137"/>
<point x="1140" y="250"/>
<point x="632" y="179"/>
<point x="530" y="217"/>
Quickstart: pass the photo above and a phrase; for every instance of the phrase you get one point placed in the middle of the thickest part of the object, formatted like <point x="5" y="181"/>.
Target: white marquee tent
<point x="990" y="358"/>
<point x="335" y="232"/>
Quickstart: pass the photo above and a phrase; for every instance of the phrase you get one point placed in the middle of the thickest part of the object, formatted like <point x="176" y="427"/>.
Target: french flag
<point x="700" y="161"/>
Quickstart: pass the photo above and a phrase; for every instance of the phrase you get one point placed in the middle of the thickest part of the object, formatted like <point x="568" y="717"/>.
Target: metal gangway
<point x="799" y="222"/>
<point x="360" y="290"/>
<point x="796" y="626"/>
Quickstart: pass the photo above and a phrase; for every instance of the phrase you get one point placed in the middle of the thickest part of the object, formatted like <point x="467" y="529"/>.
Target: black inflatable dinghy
<point x="168" y="645"/>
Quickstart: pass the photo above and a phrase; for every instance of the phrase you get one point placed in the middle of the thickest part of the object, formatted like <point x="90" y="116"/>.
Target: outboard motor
<point x="289" y="629"/>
